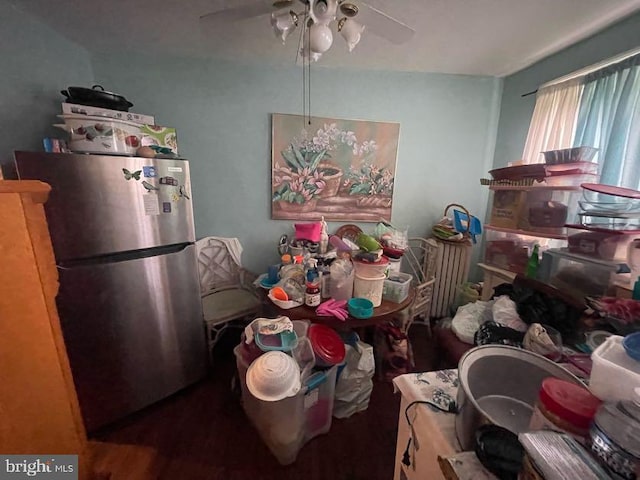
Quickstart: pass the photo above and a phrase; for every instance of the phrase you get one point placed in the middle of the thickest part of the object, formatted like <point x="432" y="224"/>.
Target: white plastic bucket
<point x="370" y="288"/>
<point x="394" y="264"/>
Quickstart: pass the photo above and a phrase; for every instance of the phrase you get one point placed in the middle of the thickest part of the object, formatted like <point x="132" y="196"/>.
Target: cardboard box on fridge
<point x="72" y="108"/>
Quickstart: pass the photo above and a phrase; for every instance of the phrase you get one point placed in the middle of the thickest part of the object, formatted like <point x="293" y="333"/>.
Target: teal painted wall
<point x="222" y="114"/>
<point x="36" y="64"/>
<point x="516" y="111"/>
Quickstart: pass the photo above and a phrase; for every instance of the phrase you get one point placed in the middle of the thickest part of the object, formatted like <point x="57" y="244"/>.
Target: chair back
<point x="421" y="259"/>
<point x="216" y="265"/>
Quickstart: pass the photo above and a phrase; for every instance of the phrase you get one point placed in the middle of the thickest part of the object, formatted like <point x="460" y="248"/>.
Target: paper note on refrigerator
<point x="151" y="204"/>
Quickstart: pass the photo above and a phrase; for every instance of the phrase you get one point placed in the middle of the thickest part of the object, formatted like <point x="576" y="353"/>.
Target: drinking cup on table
<point x="273" y="273"/>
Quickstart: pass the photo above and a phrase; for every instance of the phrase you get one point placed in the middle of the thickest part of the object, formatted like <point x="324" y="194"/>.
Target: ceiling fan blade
<point x="231" y="11"/>
<point x="383" y="25"/>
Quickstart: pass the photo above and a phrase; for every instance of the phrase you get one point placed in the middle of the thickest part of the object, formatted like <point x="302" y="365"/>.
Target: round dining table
<point x="384" y="313"/>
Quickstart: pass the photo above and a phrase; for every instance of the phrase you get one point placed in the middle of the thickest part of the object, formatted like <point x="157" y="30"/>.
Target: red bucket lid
<point x="572" y="402"/>
<point x="327" y="344"/>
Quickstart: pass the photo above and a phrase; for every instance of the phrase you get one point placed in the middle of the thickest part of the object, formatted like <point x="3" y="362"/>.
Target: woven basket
<point x="466" y="236"/>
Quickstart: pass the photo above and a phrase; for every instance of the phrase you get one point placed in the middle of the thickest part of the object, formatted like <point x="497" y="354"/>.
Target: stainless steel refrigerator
<point x="129" y="302"/>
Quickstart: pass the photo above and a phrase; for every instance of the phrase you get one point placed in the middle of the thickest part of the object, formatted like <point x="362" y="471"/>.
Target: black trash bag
<point x="494" y="333"/>
<point x="540" y="303"/>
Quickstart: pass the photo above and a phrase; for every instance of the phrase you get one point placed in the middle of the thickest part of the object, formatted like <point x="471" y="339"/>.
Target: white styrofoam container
<point x="74" y="109"/>
<point x="614" y="374"/>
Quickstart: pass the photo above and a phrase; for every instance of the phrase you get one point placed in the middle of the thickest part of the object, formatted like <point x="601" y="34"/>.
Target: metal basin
<point x="500" y="385"/>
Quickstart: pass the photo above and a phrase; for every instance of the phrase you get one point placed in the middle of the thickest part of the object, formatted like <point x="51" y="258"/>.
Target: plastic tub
<point x="370" y="288"/>
<point x="318" y="402"/>
<point x="90" y="134"/>
<point x="371" y="269"/>
<point x="281" y="424"/>
<point x="604" y="245"/>
<point x="396" y="287"/>
<point x="570" y="180"/>
<point x="614" y="374"/>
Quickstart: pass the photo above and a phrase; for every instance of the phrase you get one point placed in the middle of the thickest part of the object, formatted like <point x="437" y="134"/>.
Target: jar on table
<point x="615" y="437"/>
<point x="564" y="407"/>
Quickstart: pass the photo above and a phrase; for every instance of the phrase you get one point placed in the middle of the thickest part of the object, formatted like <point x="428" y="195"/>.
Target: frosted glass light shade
<point x="351" y="32"/>
<point x="320" y="38"/>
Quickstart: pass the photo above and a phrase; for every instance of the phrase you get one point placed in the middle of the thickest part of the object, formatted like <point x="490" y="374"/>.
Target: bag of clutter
<point x="394" y="354"/>
<point x="355" y="383"/>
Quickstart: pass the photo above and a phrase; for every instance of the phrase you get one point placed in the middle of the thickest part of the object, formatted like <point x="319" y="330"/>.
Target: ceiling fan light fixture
<point x="284" y="23"/>
<point x="351" y="31"/>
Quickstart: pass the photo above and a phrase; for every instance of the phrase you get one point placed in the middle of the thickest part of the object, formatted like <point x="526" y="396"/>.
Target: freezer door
<point x="104" y="204"/>
<point x="133" y="332"/>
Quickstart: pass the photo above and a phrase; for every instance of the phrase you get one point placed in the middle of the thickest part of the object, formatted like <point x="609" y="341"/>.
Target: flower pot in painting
<point x="296" y="207"/>
<point x="332" y="175"/>
<point x="374" y="201"/>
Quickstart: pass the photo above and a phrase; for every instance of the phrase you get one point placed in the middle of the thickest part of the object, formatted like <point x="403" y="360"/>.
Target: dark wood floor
<point x="202" y="433"/>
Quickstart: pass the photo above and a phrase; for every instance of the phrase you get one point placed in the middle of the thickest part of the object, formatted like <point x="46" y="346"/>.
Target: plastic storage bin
<point x="614" y="374"/>
<point x="534" y="209"/>
<point x="599" y="244"/>
<point x="579" y="275"/>
<point x="396" y="287"/>
<point x="511" y="251"/>
<point x="318" y="402"/>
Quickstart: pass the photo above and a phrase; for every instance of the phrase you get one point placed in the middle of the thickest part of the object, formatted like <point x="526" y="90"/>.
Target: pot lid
<point x="573" y="403"/>
<point x="327" y="344"/>
<point x="612" y="190"/>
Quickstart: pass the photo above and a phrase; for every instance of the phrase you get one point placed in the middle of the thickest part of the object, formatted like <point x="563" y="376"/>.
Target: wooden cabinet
<point x="39" y="411"/>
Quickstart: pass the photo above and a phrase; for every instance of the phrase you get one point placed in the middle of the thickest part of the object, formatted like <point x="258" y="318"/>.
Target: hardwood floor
<point x="202" y="433"/>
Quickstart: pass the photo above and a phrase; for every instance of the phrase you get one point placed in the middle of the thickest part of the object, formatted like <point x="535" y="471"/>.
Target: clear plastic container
<point x="396" y="287"/>
<point x="318" y="402"/>
<point x="579" y="275"/>
<point x="281" y="424"/>
<point x="614" y="374"/>
<point x="341" y="279"/>
<point x="612" y="221"/>
<point x="536" y="209"/>
<point x="615" y="435"/>
<point x="570" y="180"/>
<point x="511" y="251"/>
<point x="286" y="425"/>
<point x="596" y="244"/>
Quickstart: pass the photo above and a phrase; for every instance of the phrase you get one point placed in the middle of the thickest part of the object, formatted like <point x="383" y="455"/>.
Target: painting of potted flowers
<point x="336" y="168"/>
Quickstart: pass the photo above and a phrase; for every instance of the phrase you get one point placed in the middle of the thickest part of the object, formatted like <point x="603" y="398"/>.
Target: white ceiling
<point x="474" y="37"/>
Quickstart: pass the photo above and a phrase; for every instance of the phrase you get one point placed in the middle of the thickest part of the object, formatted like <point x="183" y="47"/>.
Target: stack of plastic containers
<point x="598" y="250"/>
<point x="286" y="423"/>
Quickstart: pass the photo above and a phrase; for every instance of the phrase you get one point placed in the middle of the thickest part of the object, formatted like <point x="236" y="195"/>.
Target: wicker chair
<point x="420" y="262"/>
<point x="228" y="296"/>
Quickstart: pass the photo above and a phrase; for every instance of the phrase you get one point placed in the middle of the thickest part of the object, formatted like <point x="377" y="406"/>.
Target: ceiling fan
<point x="315" y="17"/>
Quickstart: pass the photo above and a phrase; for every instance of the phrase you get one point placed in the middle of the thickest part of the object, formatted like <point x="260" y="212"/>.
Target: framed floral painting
<point x="339" y="169"/>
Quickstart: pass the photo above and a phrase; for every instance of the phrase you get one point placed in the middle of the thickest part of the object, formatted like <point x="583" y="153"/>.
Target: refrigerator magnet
<point x="149" y="171"/>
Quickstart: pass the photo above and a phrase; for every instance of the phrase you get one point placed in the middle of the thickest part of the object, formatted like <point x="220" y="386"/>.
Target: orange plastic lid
<point x="279" y="294"/>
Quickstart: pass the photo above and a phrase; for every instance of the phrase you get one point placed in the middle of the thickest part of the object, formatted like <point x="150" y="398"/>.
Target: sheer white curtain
<point x="553" y="124"/>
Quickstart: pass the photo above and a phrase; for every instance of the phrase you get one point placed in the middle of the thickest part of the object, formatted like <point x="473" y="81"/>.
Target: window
<point x="599" y="107"/>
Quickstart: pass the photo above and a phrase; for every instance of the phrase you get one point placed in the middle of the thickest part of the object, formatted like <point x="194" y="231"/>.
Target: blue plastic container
<point x="360" y="307"/>
<point x="631" y="344"/>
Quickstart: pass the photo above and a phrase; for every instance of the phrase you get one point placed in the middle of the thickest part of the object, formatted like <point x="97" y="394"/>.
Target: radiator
<point x="452" y="268"/>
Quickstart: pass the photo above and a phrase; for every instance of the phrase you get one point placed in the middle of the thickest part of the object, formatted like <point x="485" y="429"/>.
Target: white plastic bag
<point x="468" y="319"/>
<point x="505" y="313"/>
<point x="355" y="384"/>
